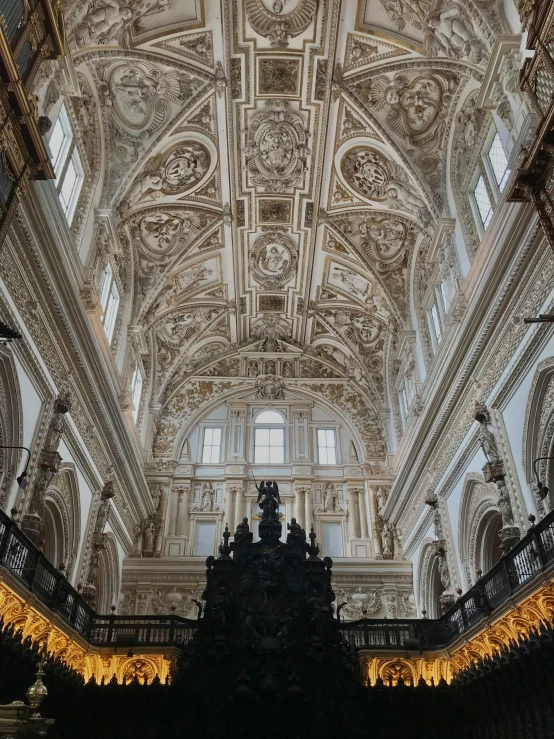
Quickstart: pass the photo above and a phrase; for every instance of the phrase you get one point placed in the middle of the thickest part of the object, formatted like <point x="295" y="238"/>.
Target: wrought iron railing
<point x="529" y="558"/>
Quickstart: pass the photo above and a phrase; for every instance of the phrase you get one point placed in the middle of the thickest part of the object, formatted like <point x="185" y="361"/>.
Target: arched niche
<point x="429" y="585"/>
<point x="538" y="432"/>
<point x="62" y="519"/>
<point x="480" y="521"/>
<point x="11" y="424"/>
<point x="107" y="579"/>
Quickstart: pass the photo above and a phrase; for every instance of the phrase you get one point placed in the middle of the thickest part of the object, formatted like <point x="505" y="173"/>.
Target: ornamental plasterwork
<point x="276" y="149"/>
<point x="362" y="51"/>
<point x="377" y="179"/>
<point x="273" y="260"/>
<point x="277" y="22"/>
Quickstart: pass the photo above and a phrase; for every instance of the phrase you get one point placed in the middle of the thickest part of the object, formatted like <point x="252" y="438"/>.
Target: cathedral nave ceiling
<point x="273" y="172"/>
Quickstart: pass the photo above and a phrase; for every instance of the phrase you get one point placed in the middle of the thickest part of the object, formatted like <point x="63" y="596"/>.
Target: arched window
<point x="269" y="417"/>
<point x="269" y="442"/>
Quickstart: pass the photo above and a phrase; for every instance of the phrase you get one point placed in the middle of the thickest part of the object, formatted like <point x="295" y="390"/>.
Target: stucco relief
<point x="273" y="260"/>
<point x="276" y="149"/>
<point x="173" y="173"/>
<point x="377" y="179"/>
<point x="278" y="20"/>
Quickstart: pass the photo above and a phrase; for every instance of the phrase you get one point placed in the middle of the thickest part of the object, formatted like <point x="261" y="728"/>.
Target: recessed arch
<point x="479" y="522"/>
<point x="63" y="519"/>
<point x="11" y="424"/>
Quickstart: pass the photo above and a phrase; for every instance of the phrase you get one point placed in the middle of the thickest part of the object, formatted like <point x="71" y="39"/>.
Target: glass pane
<point x="56" y="142"/>
<point x="330" y="437"/>
<point x="208" y="436"/>
<point x="483" y="202"/>
<point x="323" y="455"/>
<point x="68" y="186"/>
<point x="331" y="455"/>
<point x="105" y="287"/>
<point x="276" y="455"/>
<point x="275" y="437"/>
<point x="270" y="417"/>
<point x="436" y="321"/>
<point x="499" y="163"/>
<point x="262" y="437"/>
<point x="321" y="437"/>
<point x="111" y="311"/>
<point x="216" y="436"/>
<point x="206" y="454"/>
<point x="262" y="454"/>
<point x="445" y="297"/>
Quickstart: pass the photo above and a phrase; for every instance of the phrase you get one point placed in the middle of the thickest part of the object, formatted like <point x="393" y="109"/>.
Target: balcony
<point x="30" y="32"/>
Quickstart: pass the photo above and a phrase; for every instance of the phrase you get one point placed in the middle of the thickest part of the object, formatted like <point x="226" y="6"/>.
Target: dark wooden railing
<point x="526" y="561"/>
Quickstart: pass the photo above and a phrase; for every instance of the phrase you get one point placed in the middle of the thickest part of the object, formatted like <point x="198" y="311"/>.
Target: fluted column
<point x="183" y="511"/>
<point x="308" y="508"/>
<point x="364" y="531"/>
<point x="239" y="505"/>
<point x="229" y="503"/>
<point x="352" y="513"/>
<point x="298" y="507"/>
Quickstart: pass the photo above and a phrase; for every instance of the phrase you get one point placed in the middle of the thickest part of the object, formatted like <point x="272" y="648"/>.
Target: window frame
<point x="326" y="447"/>
<point x="211" y="446"/>
<point x="276" y="427"/>
<point x="63" y="154"/>
<point x="435" y="338"/>
<point x="68" y="155"/>
<point x="404" y="405"/>
<point x="137" y="373"/>
<point x="485" y="171"/>
<point x="70" y="207"/>
<point x="107" y="284"/>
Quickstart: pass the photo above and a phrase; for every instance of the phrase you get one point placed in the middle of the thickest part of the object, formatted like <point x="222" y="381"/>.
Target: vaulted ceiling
<point x="268" y="170"/>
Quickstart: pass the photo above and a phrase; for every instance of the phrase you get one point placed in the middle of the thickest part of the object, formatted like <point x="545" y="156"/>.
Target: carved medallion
<point x="172" y="173"/>
<point x="276" y="149"/>
<point x="273" y="260"/>
<point x="160" y="231"/>
<point x="279" y="19"/>
<point x="386" y="240"/>
<point x="415" y="104"/>
<point x="270" y="387"/>
<point x="367" y="172"/>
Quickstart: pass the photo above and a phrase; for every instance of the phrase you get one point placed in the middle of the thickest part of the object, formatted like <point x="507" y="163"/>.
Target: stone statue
<point x="381" y="496"/>
<point x="208" y="494"/>
<point x="488" y="443"/>
<point x="55" y="433"/>
<point x="387" y="540"/>
<point x="330" y="497"/>
<point x="443" y="571"/>
<point x="505" y="504"/>
<point x="148" y="538"/>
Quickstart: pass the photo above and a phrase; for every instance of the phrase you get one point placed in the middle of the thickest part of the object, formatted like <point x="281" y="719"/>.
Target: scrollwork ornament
<point x="272" y="18"/>
<point x="276" y="147"/>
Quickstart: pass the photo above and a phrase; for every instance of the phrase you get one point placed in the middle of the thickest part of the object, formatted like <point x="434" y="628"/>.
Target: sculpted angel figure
<point x="104" y="20"/>
<point x="402" y="197"/>
<point x="152" y="181"/>
<point x="453" y="35"/>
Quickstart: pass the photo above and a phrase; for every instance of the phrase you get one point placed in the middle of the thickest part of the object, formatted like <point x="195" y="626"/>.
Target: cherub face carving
<point x="160" y="231"/>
